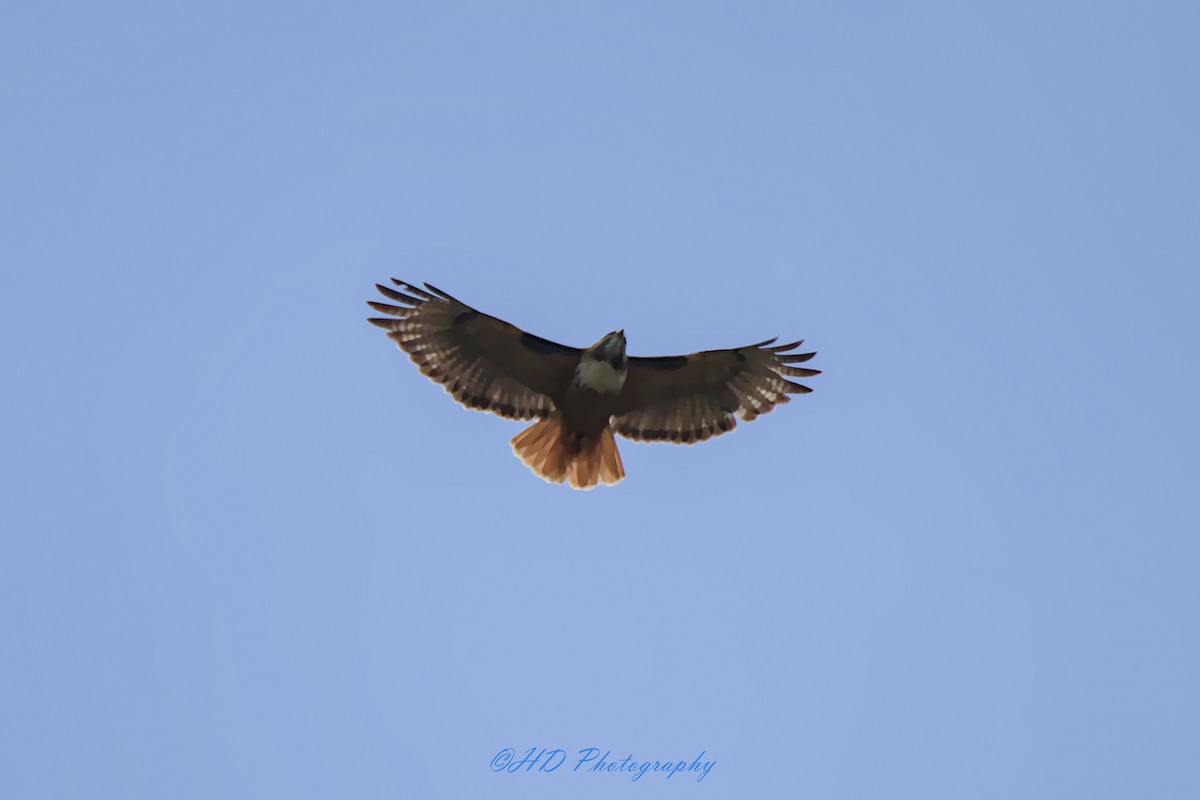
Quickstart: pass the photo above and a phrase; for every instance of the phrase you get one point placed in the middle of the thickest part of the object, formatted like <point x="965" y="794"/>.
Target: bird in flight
<point x="581" y="397"/>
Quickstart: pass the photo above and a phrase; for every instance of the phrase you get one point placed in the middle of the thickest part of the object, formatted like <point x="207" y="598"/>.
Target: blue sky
<point x="248" y="551"/>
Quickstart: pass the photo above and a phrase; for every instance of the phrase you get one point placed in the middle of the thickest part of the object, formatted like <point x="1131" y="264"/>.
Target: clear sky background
<point x="249" y="552"/>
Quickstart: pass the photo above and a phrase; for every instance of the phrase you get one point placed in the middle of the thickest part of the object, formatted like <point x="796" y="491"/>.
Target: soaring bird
<point x="581" y="397"/>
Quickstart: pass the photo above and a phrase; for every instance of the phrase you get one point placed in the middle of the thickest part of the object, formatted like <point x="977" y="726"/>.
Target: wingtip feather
<point x="418" y="291"/>
<point x="438" y="291"/>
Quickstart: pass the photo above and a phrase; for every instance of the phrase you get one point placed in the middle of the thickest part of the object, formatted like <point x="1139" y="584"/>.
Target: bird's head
<point x="603" y="367"/>
<point x="610" y="348"/>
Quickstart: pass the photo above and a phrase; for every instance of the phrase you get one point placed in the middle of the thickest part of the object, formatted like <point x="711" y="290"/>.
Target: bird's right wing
<point x="484" y="362"/>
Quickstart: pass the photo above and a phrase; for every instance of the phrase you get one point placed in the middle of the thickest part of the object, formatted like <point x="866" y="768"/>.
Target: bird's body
<point x="586" y="410"/>
<point x="582" y="397"/>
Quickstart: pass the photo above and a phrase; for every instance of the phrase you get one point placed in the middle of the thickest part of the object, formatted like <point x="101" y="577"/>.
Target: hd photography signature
<point x="591" y="760"/>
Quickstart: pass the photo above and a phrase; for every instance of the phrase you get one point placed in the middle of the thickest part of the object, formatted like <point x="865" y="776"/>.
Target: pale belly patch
<point x="600" y="376"/>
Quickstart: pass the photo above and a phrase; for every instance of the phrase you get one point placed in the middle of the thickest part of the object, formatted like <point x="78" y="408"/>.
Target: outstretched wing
<point x="687" y="399"/>
<point x="484" y="362"/>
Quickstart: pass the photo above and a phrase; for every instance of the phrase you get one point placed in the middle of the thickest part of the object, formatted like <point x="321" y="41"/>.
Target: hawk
<point x="582" y="397"/>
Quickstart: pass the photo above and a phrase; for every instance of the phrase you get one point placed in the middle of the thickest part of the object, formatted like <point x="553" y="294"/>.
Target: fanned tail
<point x="555" y="456"/>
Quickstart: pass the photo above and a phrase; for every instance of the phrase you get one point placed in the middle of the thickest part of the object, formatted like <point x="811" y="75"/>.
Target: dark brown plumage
<point x="582" y="396"/>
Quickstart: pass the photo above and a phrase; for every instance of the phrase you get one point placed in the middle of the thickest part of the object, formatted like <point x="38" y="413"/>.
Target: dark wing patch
<point x="687" y="399"/>
<point x="484" y="362"/>
<point x="663" y="363"/>
<point x="546" y="347"/>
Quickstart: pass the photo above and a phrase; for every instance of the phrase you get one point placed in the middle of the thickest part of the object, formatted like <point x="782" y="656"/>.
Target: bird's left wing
<point x="484" y="362"/>
<point x="687" y="399"/>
